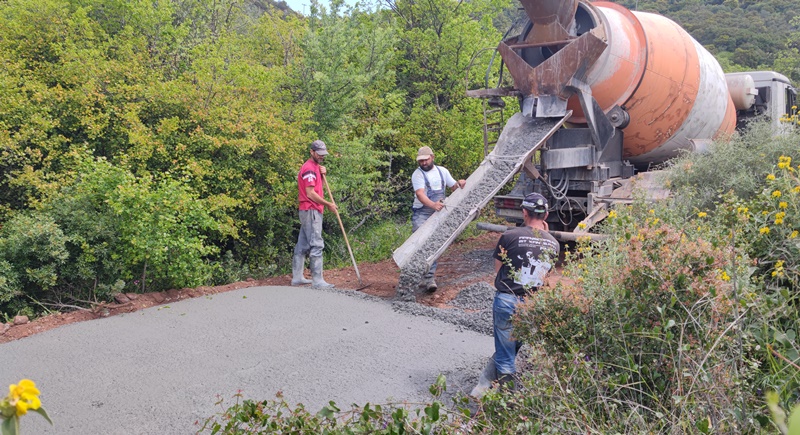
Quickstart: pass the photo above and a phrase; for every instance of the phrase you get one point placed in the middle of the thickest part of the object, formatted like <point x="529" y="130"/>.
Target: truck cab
<point x="773" y="97"/>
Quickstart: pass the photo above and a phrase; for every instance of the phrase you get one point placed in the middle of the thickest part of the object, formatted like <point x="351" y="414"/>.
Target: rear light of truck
<point x="512" y="203"/>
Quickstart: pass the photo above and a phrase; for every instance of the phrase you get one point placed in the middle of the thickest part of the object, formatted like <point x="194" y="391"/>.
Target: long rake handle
<point x="341" y="225"/>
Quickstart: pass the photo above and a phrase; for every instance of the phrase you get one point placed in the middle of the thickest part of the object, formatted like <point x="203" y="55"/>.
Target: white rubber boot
<point x="298" y="265"/>
<point x="316" y="273"/>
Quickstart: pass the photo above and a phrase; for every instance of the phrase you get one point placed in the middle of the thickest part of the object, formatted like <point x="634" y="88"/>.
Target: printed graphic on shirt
<point x="533" y="267"/>
<point x="532" y="272"/>
<point x="310" y="177"/>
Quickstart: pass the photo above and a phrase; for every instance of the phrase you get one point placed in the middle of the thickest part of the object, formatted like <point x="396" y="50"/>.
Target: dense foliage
<point x="147" y="146"/>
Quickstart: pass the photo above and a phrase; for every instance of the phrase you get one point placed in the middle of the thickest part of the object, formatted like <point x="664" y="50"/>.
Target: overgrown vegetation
<point x="147" y="146"/>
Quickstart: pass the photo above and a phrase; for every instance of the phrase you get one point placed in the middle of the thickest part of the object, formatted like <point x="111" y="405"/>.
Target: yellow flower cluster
<point x="702" y="214"/>
<point x="23" y="396"/>
<point x="785" y="162"/>
<point x="776" y="194"/>
<point x="778" y="271"/>
<point x="724" y="276"/>
<point x="779" y="217"/>
<point x="612" y="214"/>
<point x="764" y="230"/>
<point x="792" y="118"/>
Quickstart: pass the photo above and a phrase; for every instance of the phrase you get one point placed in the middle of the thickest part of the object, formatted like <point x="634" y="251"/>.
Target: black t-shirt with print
<point x="532" y="254"/>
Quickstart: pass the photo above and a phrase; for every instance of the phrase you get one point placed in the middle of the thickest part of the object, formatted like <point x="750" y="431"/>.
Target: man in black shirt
<point x="523" y="257"/>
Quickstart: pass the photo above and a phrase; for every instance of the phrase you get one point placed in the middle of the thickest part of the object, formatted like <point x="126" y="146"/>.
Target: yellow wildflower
<point x="796" y="189"/>
<point x="612" y="214"/>
<point x="651" y="211"/>
<point x="724" y="276"/>
<point x="24" y="396"/>
<point x="783" y="204"/>
<point x="771" y="177"/>
<point x="702" y="214"/>
<point x="582" y="225"/>
<point x="778" y="221"/>
<point x="764" y="230"/>
<point x="793" y="235"/>
<point x="776" y="194"/>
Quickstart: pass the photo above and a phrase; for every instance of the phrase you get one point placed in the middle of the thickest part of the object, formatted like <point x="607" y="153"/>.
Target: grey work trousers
<point x="309" y="241"/>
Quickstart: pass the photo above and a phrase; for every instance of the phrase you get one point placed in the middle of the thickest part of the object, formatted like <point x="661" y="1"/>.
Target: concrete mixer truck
<point x="604" y="93"/>
<point x="635" y="89"/>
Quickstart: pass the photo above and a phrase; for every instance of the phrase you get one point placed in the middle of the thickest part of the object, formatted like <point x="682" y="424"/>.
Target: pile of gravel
<point x="519" y="136"/>
<point x="476" y="297"/>
<point x="478" y="321"/>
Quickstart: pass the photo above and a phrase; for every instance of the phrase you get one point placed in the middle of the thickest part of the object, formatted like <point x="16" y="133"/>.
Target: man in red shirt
<point x="312" y="204"/>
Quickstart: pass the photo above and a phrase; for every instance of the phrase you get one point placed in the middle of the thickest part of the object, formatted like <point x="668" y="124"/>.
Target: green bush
<point x="109" y="231"/>
<point x="32" y="253"/>
<point x="277" y="416"/>
<point x="736" y="166"/>
<point x="644" y="321"/>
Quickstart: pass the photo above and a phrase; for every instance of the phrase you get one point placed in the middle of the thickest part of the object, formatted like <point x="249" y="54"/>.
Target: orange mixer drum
<point x="672" y="88"/>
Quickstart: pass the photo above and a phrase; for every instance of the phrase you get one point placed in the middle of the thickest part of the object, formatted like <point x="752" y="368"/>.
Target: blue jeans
<point x="505" y="348"/>
<point x="418" y="217"/>
<point x="309" y="241"/>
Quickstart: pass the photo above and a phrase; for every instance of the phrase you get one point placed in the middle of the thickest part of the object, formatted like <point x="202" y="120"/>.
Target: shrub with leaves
<point x="644" y="322"/>
<point x="32" y="253"/>
<point x="277" y="416"/>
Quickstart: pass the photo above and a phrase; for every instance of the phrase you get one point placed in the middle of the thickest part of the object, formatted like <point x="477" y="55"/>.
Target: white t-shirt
<point x="418" y="181"/>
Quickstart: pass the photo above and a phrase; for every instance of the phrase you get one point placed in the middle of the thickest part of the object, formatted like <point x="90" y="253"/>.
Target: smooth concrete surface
<point x="159" y="370"/>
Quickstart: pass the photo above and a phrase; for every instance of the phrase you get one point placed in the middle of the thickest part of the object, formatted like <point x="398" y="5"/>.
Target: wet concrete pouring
<point x="507" y="156"/>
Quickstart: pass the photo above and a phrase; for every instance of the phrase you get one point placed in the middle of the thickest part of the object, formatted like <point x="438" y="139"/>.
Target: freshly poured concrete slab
<point x="161" y="369"/>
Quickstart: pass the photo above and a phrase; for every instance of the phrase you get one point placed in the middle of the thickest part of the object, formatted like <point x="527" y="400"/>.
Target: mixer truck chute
<point x="640" y="90"/>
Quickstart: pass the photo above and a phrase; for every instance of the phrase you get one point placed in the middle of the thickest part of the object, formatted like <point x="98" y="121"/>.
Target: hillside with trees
<point x="743" y="35"/>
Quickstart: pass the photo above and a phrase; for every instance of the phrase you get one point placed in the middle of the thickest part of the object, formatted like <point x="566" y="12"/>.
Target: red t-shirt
<point x="309" y="175"/>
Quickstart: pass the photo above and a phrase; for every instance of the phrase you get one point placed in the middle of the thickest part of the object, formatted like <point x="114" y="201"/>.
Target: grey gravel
<point x="475" y="297"/>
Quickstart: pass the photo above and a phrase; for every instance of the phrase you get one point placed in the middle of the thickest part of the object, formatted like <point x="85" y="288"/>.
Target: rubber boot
<point x="298" y="265"/>
<point x="507" y="381"/>
<point x="316" y="273"/>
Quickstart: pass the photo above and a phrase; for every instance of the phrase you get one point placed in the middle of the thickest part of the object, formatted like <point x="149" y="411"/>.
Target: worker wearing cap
<point x="312" y="204"/>
<point x="429" y="183"/>
<point x="523" y="257"/>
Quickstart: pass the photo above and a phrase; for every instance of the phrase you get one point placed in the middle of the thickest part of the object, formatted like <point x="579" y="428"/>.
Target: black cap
<point x="319" y="147"/>
<point x="535" y="202"/>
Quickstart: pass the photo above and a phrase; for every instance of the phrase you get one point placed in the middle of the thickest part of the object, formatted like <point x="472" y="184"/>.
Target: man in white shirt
<point x="429" y="183"/>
